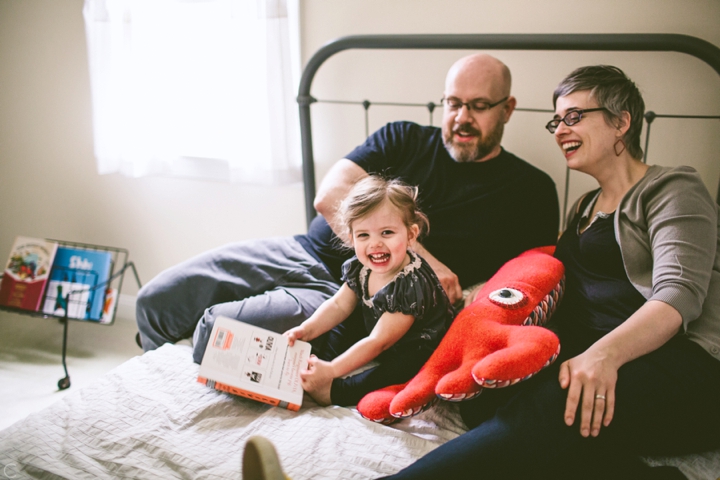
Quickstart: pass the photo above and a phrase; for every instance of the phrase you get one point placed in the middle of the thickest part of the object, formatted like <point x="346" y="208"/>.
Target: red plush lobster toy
<point x="495" y="342"/>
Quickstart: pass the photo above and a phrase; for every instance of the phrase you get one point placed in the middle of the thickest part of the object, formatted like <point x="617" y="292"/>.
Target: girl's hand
<point x="317" y="379"/>
<point x="590" y="379"/>
<point x="296" y="333"/>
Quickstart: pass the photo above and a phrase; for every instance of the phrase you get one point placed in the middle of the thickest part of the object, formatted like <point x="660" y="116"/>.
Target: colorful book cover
<point x="81" y="273"/>
<point x="26" y="273"/>
<point x="111" y="298"/>
<point x="255" y="363"/>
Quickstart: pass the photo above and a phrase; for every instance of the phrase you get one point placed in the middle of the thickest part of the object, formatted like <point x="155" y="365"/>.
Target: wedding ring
<point x="599" y="397"/>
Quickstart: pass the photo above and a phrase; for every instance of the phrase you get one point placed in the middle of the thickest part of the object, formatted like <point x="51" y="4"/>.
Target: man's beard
<point x="467" y="152"/>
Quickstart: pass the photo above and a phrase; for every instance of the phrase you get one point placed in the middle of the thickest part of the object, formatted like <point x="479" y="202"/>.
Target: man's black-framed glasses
<point x="570" y="118"/>
<point x="476" y="106"/>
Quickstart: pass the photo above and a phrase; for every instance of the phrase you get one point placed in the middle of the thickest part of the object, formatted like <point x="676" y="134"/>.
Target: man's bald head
<point x="481" y="68"/>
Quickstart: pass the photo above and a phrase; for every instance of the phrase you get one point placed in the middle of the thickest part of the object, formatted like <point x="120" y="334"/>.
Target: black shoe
<point x="137" y="339"/>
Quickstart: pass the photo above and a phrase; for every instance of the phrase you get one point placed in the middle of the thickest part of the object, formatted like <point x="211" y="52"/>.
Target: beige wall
<point x="48" y="182"/>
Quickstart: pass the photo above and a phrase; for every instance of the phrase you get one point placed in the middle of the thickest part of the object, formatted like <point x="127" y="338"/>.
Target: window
<point x="195" y="88"/>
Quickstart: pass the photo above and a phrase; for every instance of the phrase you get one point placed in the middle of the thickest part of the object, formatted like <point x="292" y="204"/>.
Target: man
<point x="484" y="204"/>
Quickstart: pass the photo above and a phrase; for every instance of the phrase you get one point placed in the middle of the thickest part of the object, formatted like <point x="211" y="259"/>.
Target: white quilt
<point x="149" y="418"/>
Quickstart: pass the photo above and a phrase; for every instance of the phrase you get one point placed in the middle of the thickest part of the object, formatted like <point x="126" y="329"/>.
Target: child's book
<point x="82" y="273"/>
<point x="111" y="297"/>
<point x="254" y="363"/>
<point x="26" y="273"/>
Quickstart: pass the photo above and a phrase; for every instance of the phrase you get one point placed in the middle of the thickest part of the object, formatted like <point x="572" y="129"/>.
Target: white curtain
<point x="195" y="88"/>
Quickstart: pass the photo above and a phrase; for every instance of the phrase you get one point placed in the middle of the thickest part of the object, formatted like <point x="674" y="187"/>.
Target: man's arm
<point x="334" y="187"/>
<point x="448" y="279"/>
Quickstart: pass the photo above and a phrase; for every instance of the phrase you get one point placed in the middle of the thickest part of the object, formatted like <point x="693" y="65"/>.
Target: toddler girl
<point x="404" y="307"/>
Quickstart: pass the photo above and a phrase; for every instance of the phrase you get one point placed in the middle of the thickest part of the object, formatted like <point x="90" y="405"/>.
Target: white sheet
<point x="149" y="418"/>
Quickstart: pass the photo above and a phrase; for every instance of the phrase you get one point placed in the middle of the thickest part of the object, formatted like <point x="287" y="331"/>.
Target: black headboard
<point x="629" y="42"/>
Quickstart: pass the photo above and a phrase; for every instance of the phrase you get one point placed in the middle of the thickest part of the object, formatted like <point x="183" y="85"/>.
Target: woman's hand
<point x="317" y="379"/>
<point x="590" y="380"/>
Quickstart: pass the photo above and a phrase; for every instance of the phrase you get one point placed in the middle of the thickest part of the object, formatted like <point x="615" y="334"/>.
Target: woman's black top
<point x="598" y="295"/>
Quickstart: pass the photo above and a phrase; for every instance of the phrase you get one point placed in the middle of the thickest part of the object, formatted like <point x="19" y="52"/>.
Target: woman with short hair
<point x="639" y="325"/>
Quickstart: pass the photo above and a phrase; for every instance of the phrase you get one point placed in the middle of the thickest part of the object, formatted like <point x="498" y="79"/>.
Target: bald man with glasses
<point x="488" y="204"/>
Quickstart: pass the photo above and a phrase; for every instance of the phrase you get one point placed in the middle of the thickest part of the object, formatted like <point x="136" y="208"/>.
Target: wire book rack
<point x="73" y="301"/>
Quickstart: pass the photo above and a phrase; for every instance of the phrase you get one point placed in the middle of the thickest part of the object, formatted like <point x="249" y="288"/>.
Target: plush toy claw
<point x="375" y="405"/>
<point x="495" y="342"/>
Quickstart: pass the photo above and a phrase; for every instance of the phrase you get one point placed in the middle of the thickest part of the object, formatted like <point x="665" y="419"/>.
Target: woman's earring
<point x="621" y="149"/>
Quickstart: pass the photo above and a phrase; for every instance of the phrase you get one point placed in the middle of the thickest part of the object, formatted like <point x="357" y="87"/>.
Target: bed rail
<point x="629" y="42"/>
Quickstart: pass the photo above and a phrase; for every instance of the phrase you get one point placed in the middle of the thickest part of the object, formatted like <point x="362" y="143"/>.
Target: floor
<point x="31" y="357"/>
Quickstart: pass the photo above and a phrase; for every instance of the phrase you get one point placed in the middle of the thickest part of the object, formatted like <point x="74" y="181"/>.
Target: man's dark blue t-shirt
<point x="481" y="214"/>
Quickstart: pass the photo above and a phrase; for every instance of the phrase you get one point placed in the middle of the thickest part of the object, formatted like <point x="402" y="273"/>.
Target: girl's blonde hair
<point x="369" y="193"/>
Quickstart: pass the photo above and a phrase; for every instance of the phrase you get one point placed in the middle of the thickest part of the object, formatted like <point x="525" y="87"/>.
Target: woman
<point x="639" y="324"/>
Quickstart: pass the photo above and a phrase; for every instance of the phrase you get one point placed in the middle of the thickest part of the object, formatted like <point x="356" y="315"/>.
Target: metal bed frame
<point x="630" y="42"/>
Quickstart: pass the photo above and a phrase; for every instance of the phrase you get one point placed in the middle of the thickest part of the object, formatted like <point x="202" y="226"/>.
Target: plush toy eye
<point x="508" y="297"/>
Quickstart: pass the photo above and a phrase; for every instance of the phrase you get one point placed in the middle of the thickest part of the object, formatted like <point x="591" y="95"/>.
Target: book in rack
<point x="65" y="280"/>
<point x="78" y="283"/>
<point x="255" y="363"/>
<point x="26" y="273"/>
<point x="57" y="278"/>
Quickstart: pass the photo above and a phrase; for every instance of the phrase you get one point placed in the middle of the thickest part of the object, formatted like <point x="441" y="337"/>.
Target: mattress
<point x="149" y="418"/>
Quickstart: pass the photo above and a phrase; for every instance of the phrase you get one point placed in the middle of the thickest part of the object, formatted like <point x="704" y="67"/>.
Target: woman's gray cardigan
<point x="668" y="229"/>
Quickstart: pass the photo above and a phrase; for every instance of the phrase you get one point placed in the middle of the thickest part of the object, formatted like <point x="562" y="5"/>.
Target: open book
<point x="252" y="362"/>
